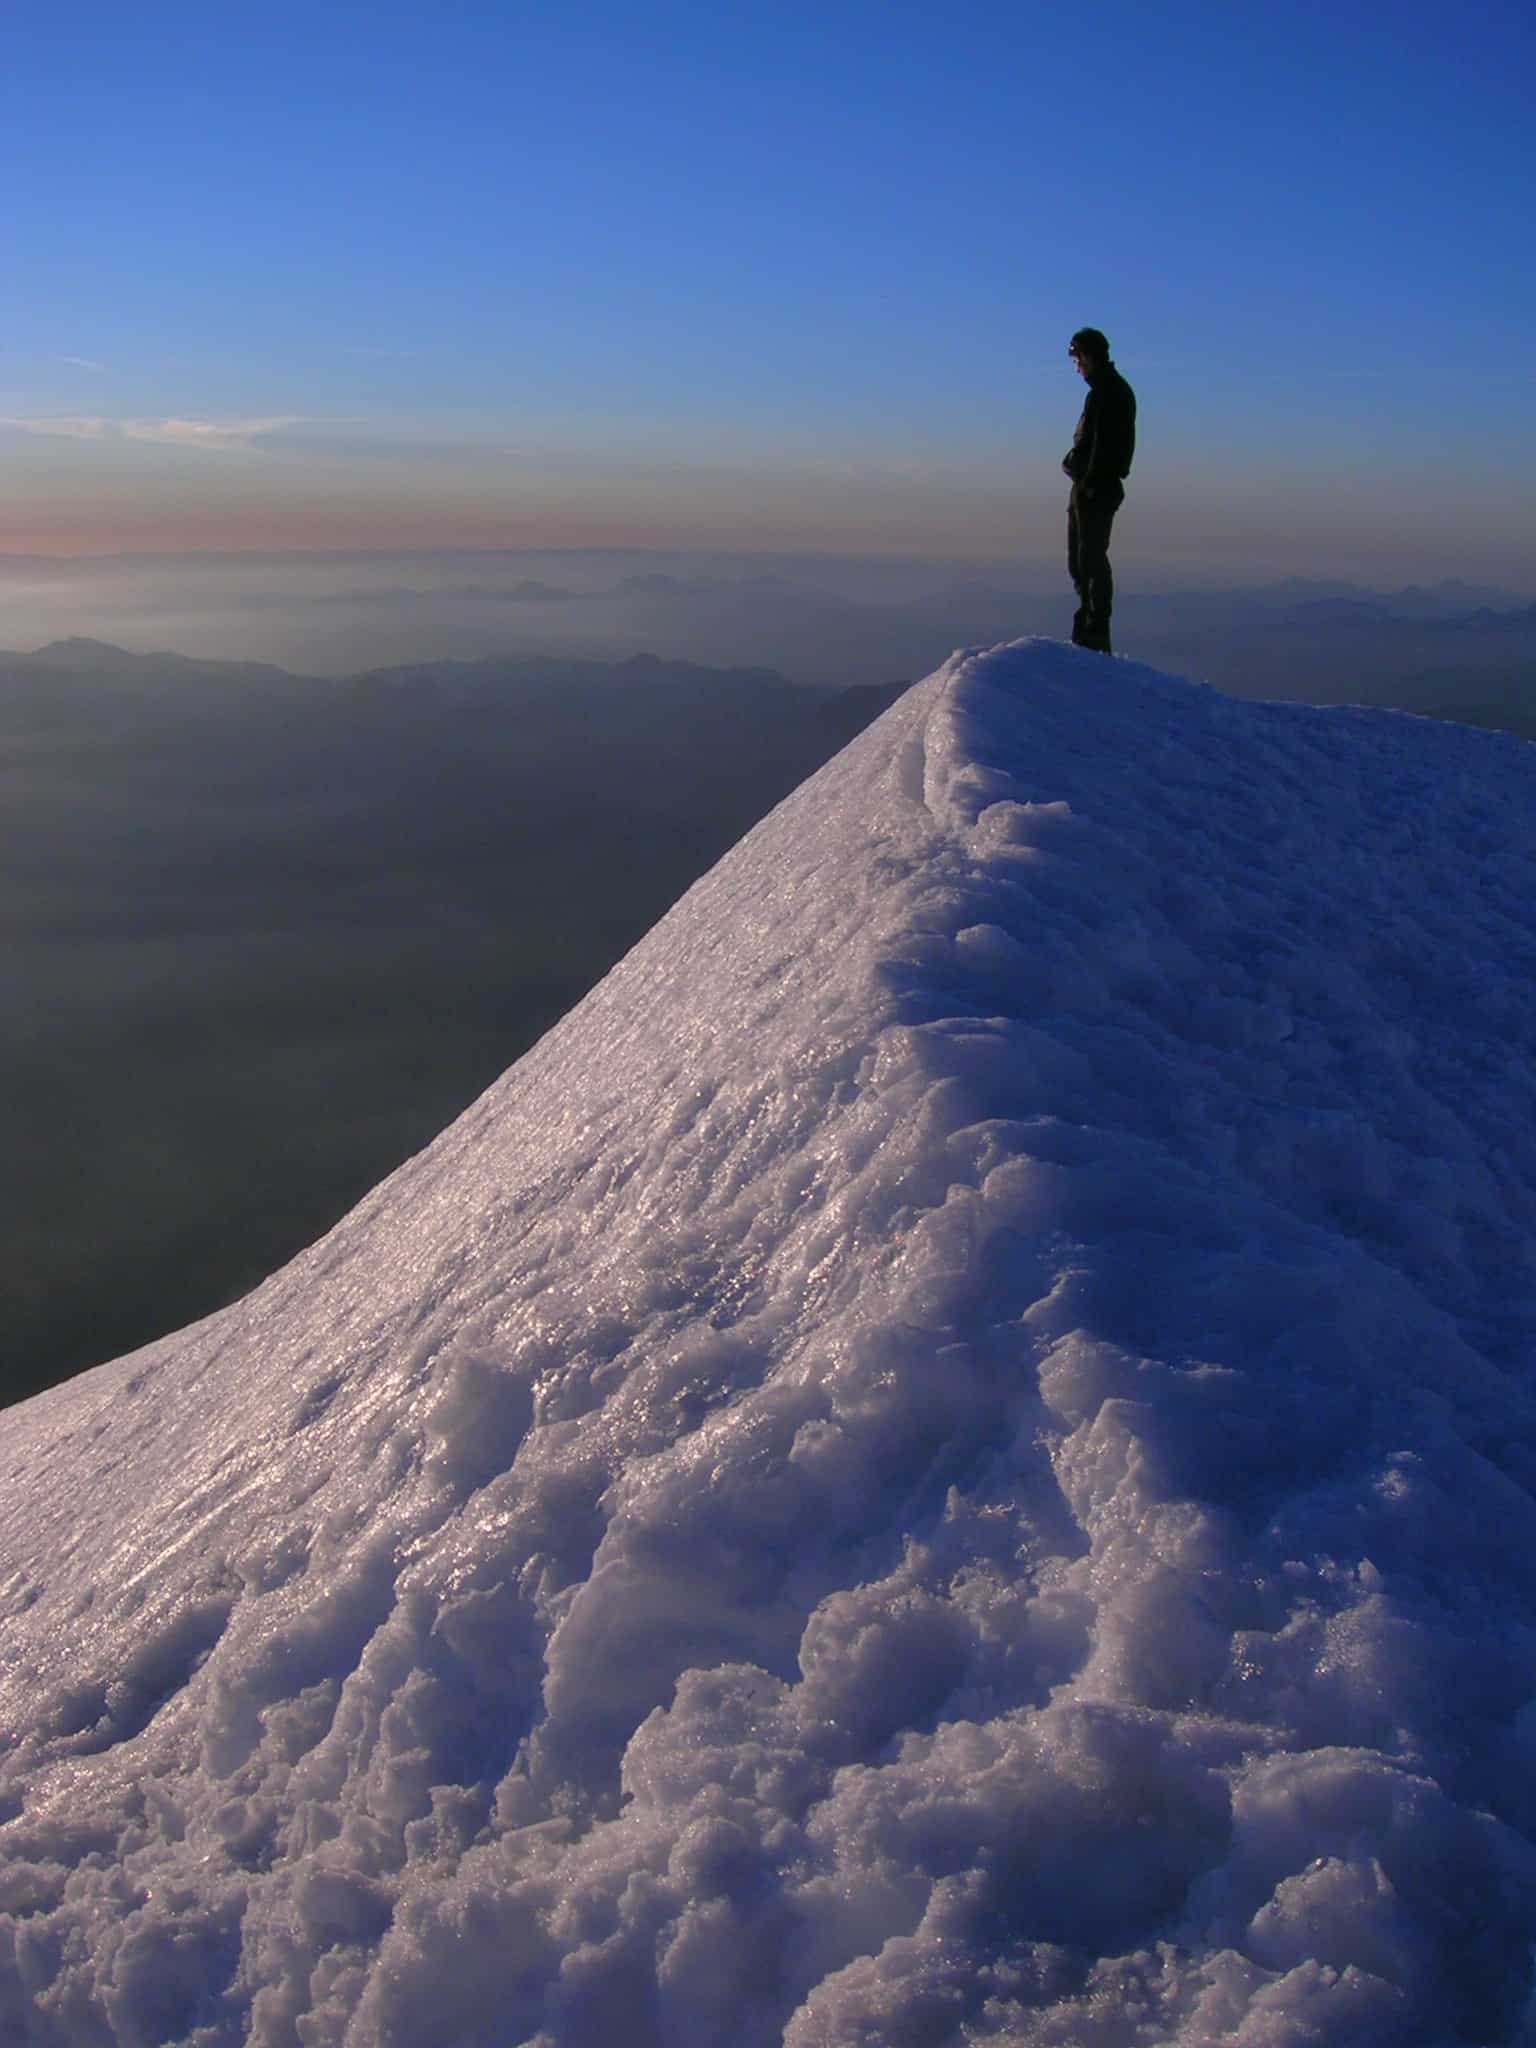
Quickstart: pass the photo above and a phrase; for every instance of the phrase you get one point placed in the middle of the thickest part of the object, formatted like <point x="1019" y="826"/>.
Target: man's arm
<point x="1114" y="436"/>
<point x="1075" y="462"/>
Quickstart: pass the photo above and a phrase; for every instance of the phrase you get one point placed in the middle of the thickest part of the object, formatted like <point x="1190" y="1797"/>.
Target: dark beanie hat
<point x="1092" y="343"/>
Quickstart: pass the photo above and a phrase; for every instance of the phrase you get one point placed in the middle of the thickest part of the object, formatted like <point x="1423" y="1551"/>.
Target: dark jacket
<point x="1105" y="440"/>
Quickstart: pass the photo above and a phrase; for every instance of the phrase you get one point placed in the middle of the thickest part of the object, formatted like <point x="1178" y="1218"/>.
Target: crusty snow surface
<point x="949" y="1459"/>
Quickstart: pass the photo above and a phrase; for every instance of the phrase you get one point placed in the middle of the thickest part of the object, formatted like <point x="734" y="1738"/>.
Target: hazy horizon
<point x="826" y="619"/>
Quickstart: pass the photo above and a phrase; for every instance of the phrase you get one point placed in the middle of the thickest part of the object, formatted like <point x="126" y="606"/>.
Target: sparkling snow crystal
<point x="950" y="1459"/>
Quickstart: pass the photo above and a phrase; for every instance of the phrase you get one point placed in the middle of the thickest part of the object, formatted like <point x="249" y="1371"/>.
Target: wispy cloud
<point x="85" y="363"/>
<point x="210" y="433"/>
<point x="175" y="431"/>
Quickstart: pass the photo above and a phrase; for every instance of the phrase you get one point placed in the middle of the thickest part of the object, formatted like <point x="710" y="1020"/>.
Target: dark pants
<point x="1088" y="524"/>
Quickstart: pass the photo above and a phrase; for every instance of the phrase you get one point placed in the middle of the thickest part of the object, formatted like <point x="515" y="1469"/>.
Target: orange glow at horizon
<point x="635" y="520"/>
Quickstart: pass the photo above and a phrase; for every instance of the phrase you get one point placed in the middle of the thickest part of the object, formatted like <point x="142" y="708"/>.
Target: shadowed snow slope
<point x="950" y="1459"/>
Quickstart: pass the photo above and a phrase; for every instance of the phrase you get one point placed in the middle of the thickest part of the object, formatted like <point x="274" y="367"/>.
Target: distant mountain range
<point x="1451" y="649"/>
<point x="829" y="626"/>
<point x="1420" y="648"/>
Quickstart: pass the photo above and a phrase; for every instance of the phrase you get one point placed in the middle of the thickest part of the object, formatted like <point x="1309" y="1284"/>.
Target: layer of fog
<point x="336" y="614"/>
<point x="819" y="620"/>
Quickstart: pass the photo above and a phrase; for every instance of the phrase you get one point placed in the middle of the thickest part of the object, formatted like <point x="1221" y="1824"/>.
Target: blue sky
<point x="586" y="275"/>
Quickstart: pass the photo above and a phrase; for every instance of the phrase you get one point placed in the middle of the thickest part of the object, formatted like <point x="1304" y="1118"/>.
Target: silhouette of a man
<point x="1098" y="462"/>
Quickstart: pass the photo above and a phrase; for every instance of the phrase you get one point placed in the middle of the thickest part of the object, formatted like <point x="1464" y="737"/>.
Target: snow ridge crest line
<point x="946" y="1460"/>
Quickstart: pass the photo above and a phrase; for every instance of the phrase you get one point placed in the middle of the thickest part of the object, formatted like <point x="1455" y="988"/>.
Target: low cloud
<point x="186" y="433"/>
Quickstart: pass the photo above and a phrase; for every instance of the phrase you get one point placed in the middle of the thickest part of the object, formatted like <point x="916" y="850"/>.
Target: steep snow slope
<point x="949" y="1459"/>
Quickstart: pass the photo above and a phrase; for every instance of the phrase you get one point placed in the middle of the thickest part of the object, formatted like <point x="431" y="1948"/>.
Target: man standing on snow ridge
<point x="1097" y="462"/>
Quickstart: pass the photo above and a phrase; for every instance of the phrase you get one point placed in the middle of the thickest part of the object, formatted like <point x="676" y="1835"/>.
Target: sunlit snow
<point x="950" y="1459"/>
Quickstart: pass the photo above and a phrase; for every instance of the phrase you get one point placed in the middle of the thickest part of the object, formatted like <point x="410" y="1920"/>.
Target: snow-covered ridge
<point x="948" y="1459"/>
